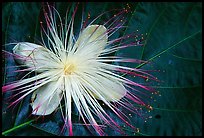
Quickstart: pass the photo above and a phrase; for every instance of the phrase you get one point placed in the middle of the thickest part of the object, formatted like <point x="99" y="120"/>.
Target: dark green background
<point x="173" y="44"/>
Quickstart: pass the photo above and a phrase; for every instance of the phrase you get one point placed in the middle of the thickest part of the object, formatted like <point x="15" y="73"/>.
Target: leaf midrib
<point x="165" y="50"/>
<point x="171" y="87"/>
<point x="150" y="31"/>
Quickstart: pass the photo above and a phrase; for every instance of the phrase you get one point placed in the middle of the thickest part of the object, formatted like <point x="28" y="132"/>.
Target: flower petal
<point x="93" y="38"/>
<point x="114" y="91"/>
<point x="43" y="104"/>
<point x="109" y="89"/>
<point x="34" y="56"/>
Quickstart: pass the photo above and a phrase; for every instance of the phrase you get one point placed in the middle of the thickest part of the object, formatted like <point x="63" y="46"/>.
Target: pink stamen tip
<point x="8" y="87"/>
<point x="70" y="128"/>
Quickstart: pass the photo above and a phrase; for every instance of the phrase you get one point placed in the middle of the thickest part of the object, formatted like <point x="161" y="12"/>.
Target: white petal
<point x="109" y="89"/>
<point x="93" y="40"/>
<point x="43" y="105"/>
<point x="34" y="56"/>
<point x="114" y="91"/>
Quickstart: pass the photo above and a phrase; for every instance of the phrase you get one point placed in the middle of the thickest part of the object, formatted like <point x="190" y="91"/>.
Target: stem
<point x="17" y="127"/>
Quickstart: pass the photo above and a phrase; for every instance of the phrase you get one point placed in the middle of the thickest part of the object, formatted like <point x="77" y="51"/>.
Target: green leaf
<point x="173" y="46"/>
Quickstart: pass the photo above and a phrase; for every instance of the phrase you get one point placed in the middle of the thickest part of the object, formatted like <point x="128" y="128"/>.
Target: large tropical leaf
<point x="172" y="45"/>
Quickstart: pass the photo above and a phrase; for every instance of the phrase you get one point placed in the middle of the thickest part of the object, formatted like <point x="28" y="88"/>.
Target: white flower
<point x="76" y="71"/>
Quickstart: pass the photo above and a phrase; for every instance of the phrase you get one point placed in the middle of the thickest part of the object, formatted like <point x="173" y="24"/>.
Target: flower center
<point x="69" y="68"/>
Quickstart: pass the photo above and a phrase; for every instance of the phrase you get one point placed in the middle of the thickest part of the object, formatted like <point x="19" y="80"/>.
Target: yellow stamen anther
<point x="69" y="69"/>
